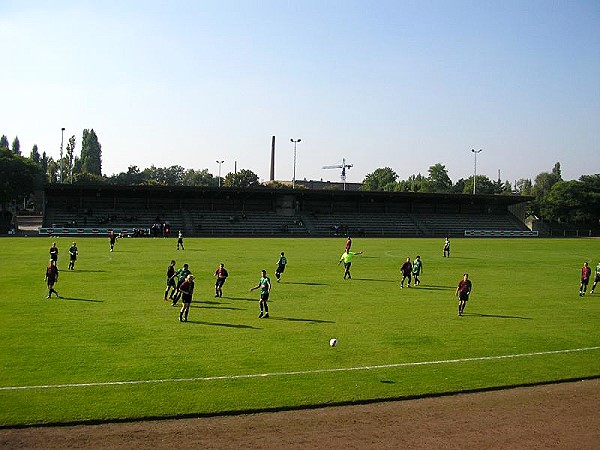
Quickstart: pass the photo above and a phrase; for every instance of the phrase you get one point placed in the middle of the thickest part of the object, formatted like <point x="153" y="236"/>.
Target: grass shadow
<point x="81" y="299"/>
<point x="219" y="308"/>
<point x="225" y="325"/>
<point x="305" y="283"/>
<point x="294" y="319"/>
<point x="82" y="271"/>
<point x="373" y="279"/>
<point x="497" y="316"/>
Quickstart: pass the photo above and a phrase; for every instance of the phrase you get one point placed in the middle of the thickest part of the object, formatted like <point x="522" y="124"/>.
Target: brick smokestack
<point x="272" y="177"/>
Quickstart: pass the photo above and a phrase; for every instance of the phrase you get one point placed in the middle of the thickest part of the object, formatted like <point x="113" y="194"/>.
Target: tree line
<point x="555" y="199"/>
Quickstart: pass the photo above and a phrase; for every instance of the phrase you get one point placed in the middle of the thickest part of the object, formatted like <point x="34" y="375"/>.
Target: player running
<point x="265" y="289"/>
<point x="281" y="263"/>
<point x="462" y="292"/>
<point x="112" y="237"/>
<point x="180" y="240"/>
<point x="187" y="290"/>
<point x="221" y="274"/>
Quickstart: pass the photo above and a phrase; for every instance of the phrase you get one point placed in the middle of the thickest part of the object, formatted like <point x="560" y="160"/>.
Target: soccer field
<point x="111" y="348"/>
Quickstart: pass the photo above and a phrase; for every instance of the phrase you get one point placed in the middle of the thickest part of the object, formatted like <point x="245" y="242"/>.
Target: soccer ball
<point x="332" y="342"/>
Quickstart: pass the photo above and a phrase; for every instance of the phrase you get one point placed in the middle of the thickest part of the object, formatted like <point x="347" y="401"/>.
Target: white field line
<point x="301" y="372"/>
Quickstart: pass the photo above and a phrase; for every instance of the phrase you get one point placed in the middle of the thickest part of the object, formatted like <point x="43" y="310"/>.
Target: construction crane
<point x="342" y="166"/>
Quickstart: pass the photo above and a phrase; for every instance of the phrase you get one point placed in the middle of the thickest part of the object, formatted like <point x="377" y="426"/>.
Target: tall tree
<point x="523" y="186"/>
<point x="3" y="142"/>
<point x="483" y="185"/>
<point x="91" y="153"/>
<point x="35" y="154"/>
<point x="193" y="177"/>
<point x="16" y="146"/>
<point x="439" y="179"/>
<point x="382" y="179"/>
<point x="69" y="157"/>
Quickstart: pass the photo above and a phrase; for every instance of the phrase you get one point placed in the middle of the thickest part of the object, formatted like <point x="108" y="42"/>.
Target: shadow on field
<point x="305" y="283"/>
<point x="432" y="287"/>
<point x="83" y="271"/>
<point x="497" y="316"/>
<point x="376" y="280"/>
<point x="218" y="307"/>
<point x="294" y="319"/>
<point x="226" y="325"/>
<point x="242" y="298"/>
<point x="81" y="299"/>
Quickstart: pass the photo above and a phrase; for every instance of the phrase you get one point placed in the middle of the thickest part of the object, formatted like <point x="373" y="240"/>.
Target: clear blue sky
<point x="402" y="84"/>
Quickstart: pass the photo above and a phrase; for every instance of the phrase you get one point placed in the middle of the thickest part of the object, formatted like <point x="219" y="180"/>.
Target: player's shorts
<point x="171" y="282"/>
<point x="280" y="268"/>
<point x="220" y="282"/>
<point x="264" y="296"/>
<point x="51" y="281"/>
<point x="585" y="281"/>
<point x="347" y="265"/>
<point x="73" y="257"/>
<point x="186" y="298"/>
<point x="463" y="296"/>
<point x="597" y="279"/>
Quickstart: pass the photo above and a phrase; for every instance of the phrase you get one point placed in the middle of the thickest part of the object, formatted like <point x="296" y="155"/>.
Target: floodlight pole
<point x="62" y="135"/>
<point x="295" y="141"/>
<point x="219" y="163"/>
<point x="475" y="152"/>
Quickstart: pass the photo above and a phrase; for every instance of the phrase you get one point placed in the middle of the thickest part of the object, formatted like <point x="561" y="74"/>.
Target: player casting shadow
<point x="306" y="284"/>
<point x="497" y="316"/>
<point x="387" y="382"/>
<point x="81" y="299"/>
<point x="226" y="325"/>
<point x="293" y="319"/>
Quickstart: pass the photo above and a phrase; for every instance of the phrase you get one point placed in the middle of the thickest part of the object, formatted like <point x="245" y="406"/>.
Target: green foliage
<point x="112" y="325"/>
<point x="483" y="185"/>
<point x="242" y="179"/>
<point x="16" y="146"/>
<point x="17" y="176"/>
<point x="91" y="153"/>
<point x="439" y="179"/>
<point x="382" y="179"/>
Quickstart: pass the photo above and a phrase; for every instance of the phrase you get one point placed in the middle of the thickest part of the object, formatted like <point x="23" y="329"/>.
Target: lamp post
<point x="295" y="141"/>
<point x="475" y="152"/>
<point x="219" y="163"/>
<point x="62" y="135"/>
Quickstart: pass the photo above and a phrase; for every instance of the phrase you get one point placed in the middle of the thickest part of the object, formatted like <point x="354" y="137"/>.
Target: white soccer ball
<point x="333" y="342"/>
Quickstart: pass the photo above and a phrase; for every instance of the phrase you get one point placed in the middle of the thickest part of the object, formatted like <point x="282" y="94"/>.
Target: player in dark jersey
<point x="281" y="263"/>
<point x="51" y="278"/>
<point x="180" y="240"/>
<point x="187" y="290"/>
<point x="417" y="269"/>
<point x="73" y="252"/>
<point x="586" y="272"/>
<point x="112" y="238"/>
<point x="221" y="274"/>
<point x="596" y="278"/>
<point x="171" y="280"/>
<point x="181" y="275"/>
<point x="462" y="291"/>
<point x="348" y="244"/>
<point x="447" y="248"/>
<point x="406" y="271"/>
<point x="54" y="253"/>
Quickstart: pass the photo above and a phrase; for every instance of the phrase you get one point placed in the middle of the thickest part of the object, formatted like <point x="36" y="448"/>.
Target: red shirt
<point x="586" y="272"/>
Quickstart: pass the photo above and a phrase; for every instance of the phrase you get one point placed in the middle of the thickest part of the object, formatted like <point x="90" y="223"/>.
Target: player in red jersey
<point x="221" y="274"/>
<point x="51" y="277"/>
<point x="586" y="272"/>
<point x="462" y="291"/>
<point x="406" y="271"/>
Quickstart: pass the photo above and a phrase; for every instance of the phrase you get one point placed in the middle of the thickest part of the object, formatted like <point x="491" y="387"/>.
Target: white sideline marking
<point x="301" y="372"/>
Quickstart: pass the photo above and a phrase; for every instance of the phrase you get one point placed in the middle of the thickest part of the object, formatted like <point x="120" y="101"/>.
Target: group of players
<point x="180" y="283"/>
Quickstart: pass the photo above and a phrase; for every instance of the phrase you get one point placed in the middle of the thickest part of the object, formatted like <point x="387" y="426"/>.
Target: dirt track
<point x="565" y="416"/>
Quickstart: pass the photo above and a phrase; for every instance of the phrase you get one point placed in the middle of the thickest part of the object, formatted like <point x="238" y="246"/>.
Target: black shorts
<point x="280" y="268"/>
<point x="585" y="281"/>
<point x="463" y="296"/>
<point x="597" y="279"/>
<point x="186" y="298"/>
<point x="264" y="296"/>
<point x="171" y="282"/>
<point x="220" y="282"/>
<point x="347" y="265"/>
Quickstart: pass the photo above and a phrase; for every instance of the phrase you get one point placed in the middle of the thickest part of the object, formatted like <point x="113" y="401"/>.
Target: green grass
<point x="113" y="326"/>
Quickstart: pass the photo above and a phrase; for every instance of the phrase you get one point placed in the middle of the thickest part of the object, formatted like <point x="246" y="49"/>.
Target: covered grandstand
<point x="93" y="209"/>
